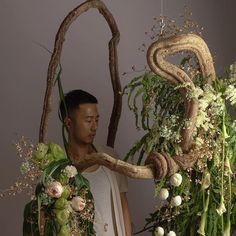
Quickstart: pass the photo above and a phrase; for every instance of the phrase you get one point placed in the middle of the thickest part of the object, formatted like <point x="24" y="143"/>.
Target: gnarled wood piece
<point x="113" y="64"/>
<point x="133" y="171"/>
<point x="157" y="165"/>
<point x="156" y="59"/>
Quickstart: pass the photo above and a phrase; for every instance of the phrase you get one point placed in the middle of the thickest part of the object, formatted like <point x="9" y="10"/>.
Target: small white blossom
<point x="159" y="231"/>
<point x="227" y="168"/>
<point x="78" y="203"/>
<point x="176" y="179"/>
<point x="199" y="141"/>
<point x="206" y="181"/>
<point x="230" y="93"/>
<point x="54" y="189"/>
<point x="171" y="233"/>
<point x="70" y="171"/>
<point x="164" y="194"/>
<point x="221" y="209"/>
<point x="232" y="73"/>
<point x="176" y="201"/>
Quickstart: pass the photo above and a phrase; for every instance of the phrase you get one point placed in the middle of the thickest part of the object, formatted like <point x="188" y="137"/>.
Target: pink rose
<point x="55" y="189"/>
<point x="78" y="203"/>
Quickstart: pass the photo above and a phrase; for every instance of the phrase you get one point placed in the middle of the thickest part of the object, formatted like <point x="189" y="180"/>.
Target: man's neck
<point x="79" y="150"/>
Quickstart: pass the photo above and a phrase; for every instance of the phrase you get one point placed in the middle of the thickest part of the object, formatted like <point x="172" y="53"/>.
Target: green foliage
<point x="160" y="104"/>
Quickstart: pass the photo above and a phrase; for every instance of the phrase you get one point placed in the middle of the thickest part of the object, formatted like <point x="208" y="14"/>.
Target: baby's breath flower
<point x="25" y="167"/>
<point x="230" y="93"/>
<point x="199" y="141"/>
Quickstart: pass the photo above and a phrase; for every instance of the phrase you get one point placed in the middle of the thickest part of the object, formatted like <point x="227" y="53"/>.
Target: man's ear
<point x="67" y="122"/>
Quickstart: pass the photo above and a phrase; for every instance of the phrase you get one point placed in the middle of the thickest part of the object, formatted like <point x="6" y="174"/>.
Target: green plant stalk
<point x="202" y="225"/>
<point x="62" y="99"/>
<point x="222" y="168"/>
<point x="228" y="223"/>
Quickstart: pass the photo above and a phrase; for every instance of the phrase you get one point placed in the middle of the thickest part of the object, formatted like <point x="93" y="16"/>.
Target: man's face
<point x="83" y="123"/>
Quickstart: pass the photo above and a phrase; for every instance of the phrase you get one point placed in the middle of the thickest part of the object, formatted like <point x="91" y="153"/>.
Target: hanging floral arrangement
<point x="63" y="204"/>
<point x="199" y="200"/>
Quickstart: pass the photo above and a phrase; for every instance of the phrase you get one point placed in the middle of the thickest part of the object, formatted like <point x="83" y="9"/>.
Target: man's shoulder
<point x="106" y="149"/>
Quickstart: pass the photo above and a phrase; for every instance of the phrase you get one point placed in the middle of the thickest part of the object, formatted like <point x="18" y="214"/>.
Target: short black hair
<point x="73" y="99"/>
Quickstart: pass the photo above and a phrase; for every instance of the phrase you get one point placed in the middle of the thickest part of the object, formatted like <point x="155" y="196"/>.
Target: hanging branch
<point x="155" y="57"/>
<point x="113" y="64"/>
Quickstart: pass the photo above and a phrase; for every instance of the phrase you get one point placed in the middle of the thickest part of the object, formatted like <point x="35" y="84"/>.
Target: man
<point x="109" y="189"/>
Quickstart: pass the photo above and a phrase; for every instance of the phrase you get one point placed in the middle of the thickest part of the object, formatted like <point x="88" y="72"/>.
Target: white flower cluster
<point x="208" y="100"/>
<point x="70" y="171"/>
<point x="169" y="129"/>
<point x="230" y="93"/>
<point x="175" y="180"/>
<point x="232" y="73"/>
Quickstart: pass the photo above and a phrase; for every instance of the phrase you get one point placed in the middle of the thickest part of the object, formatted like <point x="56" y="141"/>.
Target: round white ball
<point x="176" y="201"/>
<point x="163" y="194"/>
<point x="159" y="231"/>
<point x="176" y="179"/>
<point x="171" y="233"/>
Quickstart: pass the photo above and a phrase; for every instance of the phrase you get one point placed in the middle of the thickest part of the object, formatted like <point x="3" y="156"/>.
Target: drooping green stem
<point x="222" y="169"/>
<point x="201" y="229"/>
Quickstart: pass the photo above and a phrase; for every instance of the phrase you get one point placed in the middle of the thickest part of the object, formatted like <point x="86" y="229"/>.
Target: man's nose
<point x="94" y="126"/>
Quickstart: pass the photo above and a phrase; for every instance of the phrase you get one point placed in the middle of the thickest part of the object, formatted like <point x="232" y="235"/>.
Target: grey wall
<point x="23" y="66"/>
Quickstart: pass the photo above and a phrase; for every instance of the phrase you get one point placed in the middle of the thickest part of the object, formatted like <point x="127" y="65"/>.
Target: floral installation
<point x="200" y="200"/>
<point x="63" y="204"/>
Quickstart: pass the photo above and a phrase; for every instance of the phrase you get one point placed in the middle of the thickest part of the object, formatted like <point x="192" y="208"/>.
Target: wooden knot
<point x="163" y="165"/>
<point x="187" y="160"/>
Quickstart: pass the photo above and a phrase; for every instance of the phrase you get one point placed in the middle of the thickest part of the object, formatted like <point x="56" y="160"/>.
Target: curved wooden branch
<point x="157" y="165"/>
<point x="133" y="171"/>
<point x="113" y="64"/>
<point x="156" y="59"/>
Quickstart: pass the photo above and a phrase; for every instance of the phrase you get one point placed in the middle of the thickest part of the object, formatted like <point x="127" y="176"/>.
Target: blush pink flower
<point x="55" y="189"/>
<point x="78" y="203"/>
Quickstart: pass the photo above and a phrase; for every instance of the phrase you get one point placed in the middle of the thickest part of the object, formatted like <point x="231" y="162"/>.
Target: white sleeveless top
<point x="101" y="189"/>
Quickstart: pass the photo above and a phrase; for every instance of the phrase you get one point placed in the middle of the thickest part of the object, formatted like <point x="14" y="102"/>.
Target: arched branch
<point x="156" y="59"/>
<point x="113" y="64"/>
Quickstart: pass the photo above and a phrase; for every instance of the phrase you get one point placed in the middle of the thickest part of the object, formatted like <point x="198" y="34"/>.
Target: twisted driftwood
<point x="113" y="64"/>
<point x="157" y="165"/>
<point x="156" y="59"/>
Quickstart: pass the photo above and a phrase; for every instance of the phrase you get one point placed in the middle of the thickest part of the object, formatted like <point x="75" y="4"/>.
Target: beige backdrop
<point x="23" y="66"/>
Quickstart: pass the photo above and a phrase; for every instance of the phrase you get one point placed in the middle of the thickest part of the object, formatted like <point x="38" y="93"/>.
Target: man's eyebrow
<point x="92" y="116"/>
